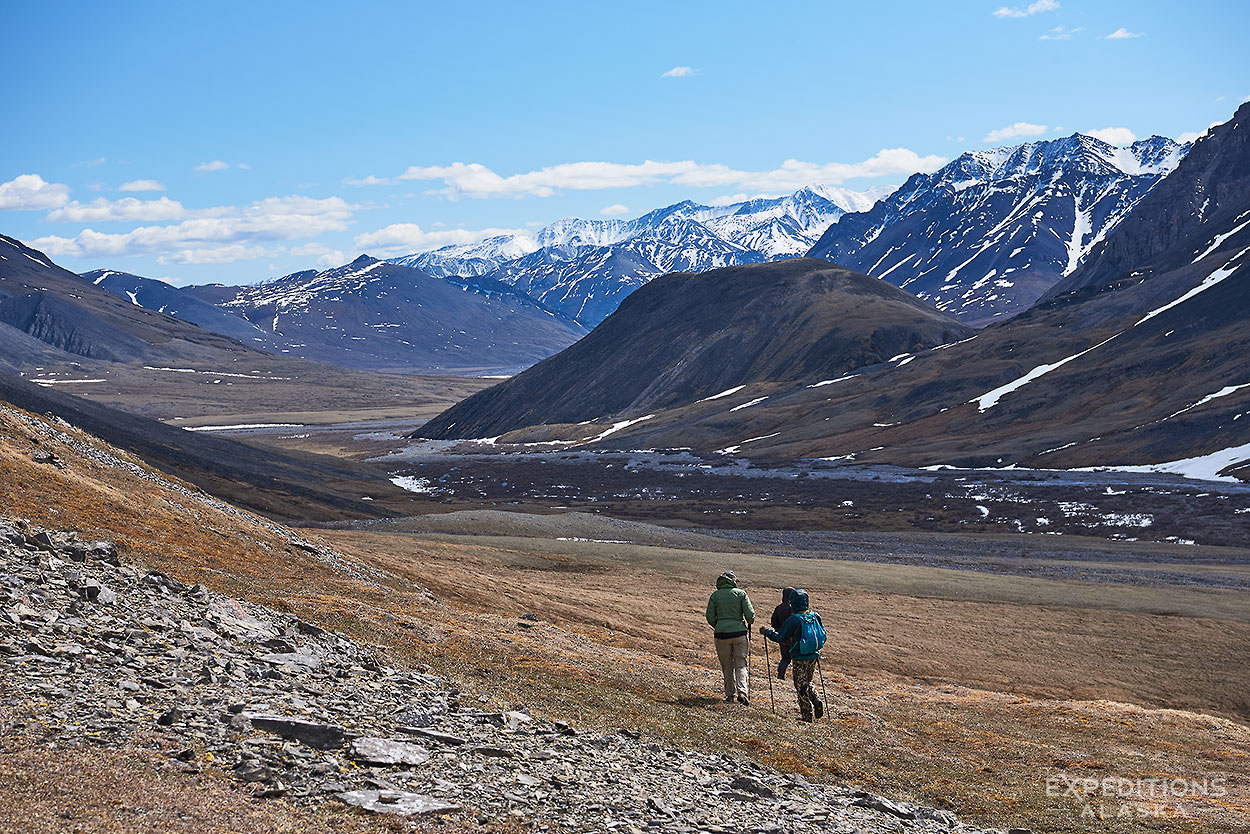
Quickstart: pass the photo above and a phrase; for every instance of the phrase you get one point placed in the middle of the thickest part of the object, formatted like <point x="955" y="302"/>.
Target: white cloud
<point x="1059" y="33"/>
<point x="219" y="254"/>
<point x="615" y="208"/>
<point x="729" y="199"/>
<point x="369" y="180"/>
<point x="1194" y="136"/>
<point x="219" y="165"/>
<point x="1113" y="135"/>
<point x="1013" y="131"/>
<point x="127" y="208"/>
<point x="324" y="254"/>
<point x="678" y="72"/>
<point x="1027" y="11"/>
<point x="1121" y="34"/>
<point x="476" y="180"/>
<point x="141" y="185"/>
<point x="214" y="235"/>
<point x="405" y="238"/>
<point x="30" y="192"/>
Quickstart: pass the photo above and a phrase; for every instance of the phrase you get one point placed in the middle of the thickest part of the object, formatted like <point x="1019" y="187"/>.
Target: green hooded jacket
<point x="729" y="609"/>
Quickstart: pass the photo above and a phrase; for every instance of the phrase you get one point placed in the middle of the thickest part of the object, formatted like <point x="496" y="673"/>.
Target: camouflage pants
<point x="802" y="673"/>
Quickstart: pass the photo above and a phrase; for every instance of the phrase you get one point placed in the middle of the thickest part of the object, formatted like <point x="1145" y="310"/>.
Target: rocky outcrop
<point x="98" y="652"/>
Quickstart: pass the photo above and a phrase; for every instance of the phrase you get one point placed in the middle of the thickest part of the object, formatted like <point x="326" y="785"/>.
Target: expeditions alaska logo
<point x="1121" y="798"/>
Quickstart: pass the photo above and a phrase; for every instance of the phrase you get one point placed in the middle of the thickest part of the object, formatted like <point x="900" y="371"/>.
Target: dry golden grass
<point x="624" y="645"/>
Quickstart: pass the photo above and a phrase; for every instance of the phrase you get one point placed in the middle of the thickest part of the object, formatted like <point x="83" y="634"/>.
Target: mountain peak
<point x="986" y="235"/>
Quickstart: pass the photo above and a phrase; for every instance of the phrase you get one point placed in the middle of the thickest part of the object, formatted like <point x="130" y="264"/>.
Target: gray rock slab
<point x="401" y="803"/>
<point x="307" y="661"/>
<point x="432" y="735"/>
<point x="312" y="733"/>
<point x="388" y="751"/>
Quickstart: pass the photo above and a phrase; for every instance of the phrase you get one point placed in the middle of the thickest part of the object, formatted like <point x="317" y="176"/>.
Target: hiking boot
<point x="742" y="699"/>
<point x="818" y="707"/>
<point x="729" y="699"/>
<point x="806" y="719"/>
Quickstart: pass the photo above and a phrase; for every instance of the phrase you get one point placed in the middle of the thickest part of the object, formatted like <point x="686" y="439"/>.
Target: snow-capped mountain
<point x="586" y="283"/>
<point x="470" y="259"/>
<point x="985" y="236"/>
<point x="583" y="268"/>
<point x="779" y="227"/>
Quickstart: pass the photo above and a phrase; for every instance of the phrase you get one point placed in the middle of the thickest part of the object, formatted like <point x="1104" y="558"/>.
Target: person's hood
<point x="786" y="593"/>
<point x="798" y="600"/>
<point x="726" y="580"/>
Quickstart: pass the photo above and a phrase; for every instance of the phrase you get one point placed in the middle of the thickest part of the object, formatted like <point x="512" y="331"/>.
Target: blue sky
<point x="234" y="142"/>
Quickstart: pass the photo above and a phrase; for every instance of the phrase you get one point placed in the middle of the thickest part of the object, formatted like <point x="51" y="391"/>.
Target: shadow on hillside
<point x="694" y="701"/>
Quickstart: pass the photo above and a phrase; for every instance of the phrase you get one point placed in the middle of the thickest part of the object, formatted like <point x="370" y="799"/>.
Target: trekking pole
<point x="768" y="673"/>
<point x="824" y="697"/>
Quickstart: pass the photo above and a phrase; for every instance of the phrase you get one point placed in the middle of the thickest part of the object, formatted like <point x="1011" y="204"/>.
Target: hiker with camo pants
<point x="805" y="633"/>
<point x="731" y="615"/>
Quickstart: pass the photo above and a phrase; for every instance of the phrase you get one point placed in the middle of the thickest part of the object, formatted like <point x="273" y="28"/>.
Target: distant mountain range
<point x="65" y="332"/>
<point x="584" y="268"/>
<point x="369" y="315"/>
<point x="981" y="239"/>
<point x="1136" y="358"/>
<point x="985" y="236"/>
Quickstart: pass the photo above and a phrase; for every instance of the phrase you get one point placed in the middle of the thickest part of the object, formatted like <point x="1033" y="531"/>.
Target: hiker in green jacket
<point x="731" y="615"/>
<point x="805" y="633"/>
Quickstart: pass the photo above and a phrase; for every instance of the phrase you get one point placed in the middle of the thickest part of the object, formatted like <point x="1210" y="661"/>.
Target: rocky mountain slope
<point x="584" y="268"/>
<point x="684" y="337"/>
<point x="985" y="236"/>
<point x="1138" y="360"/>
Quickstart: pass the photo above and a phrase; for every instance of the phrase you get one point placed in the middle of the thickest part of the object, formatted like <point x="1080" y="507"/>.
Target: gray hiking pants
<point x="732" y="653"/>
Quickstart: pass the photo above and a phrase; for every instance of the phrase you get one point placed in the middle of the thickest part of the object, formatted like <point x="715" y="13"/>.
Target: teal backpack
<point x="811" y="633"/>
